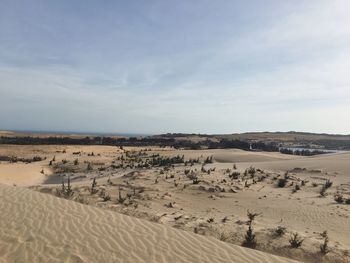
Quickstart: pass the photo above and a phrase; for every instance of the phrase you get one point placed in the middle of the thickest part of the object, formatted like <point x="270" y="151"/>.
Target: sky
<point x="195" y="66"/>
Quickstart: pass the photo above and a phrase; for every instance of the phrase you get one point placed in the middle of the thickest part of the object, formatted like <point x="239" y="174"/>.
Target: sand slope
<point x="35" y="227"/>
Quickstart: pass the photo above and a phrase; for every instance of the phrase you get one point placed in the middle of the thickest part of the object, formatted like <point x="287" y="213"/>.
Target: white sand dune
<point x="36" y="227"/>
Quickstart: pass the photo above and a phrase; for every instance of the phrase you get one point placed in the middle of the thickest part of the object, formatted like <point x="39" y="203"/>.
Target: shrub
<point x="282" y="182"/>
<point x="105" y="196"/>
<point x="208" y="160"/>
<point x="280" y="231"/>
<point x="323" y="191"/>
<point x="76" y="162"/>
<point x="295" y="241"/>
<point x="234" y="175"/>
<point x="65" y="191"/>
<point x="347" y="201"/>
<point x="324" y="247"/>
<point x="251" y="171"/>
<point x="120" y="199"/>
<point x="249" y="238"/>
<point x="338" y="198"/>
<point x="328" y="184"/>
<point x="89" y="167"/>
<point x="93" y="189"/>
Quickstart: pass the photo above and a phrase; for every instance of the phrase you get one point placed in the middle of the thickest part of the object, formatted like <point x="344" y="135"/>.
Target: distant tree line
<point x="171" y="141"/>
<point x="304" y="152"/>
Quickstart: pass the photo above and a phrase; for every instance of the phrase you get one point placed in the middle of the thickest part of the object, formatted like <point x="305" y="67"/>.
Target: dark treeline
<point x="158" y="141"/>
<point x="133" y="141"/>
<point x="301" y="152"/>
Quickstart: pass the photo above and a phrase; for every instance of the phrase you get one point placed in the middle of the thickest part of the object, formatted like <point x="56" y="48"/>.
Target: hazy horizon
<point x="187" y="67"/>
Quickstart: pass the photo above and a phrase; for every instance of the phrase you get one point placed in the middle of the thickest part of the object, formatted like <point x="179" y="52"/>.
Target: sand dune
<point x="35" y="227"/>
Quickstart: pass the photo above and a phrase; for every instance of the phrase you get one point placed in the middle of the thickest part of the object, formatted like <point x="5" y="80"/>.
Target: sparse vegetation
<point x="295" y="241"/>
<point x="280" y="231"/>
<point x="250" y="240"/>
<point x="324" y="249"/>
<point x="65" y="191"/>
<point x="282" y="182"/>
<point x="93" y="189"/>
<point x="339" y="198"/>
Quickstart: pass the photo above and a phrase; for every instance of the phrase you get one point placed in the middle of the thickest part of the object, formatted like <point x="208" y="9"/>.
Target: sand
<point x="171" y="199"/>
<point x="35" y="227"/>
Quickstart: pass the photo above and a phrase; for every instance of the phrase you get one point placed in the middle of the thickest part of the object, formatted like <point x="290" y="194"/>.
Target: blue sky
<point x="175" y="66"/>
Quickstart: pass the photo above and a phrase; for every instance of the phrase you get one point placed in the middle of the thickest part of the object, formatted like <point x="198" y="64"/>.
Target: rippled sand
<point x="35" y="227"/>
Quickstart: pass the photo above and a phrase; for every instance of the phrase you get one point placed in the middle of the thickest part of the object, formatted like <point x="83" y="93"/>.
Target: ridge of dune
<point x="36" y="227"/>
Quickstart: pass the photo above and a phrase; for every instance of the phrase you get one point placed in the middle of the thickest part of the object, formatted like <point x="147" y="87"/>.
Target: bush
<point x="249" y="238"/>
<point x="295" y="241"/>
<point x="280" y="231"/>
<point x="65" y="191"/>
<point x="328" y="184"/>
<point x="93" y="189"/>
<point x="323" y="191"/>
<point x="234" y="175"/>
<point x="105" y="196"/>
<point x="282" y="182"/>
<point x="338" y="198"/>
<point x="324" y="247"/>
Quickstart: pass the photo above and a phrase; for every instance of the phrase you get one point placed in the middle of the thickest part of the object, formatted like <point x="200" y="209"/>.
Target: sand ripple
<point x="35" y="227"/>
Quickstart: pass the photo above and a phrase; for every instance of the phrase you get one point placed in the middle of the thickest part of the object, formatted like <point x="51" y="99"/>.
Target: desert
<point x="214" y="194"/>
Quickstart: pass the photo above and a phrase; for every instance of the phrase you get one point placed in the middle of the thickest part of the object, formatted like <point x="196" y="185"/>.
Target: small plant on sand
<point x="234" y="167"/>
<point x="280" y="231"/>
<point x="347" y="201"/>
<point x="324" y="249"/>
<point x="249" y="239"/>
<point x="210" y="220"/>
<point x="338" y="198"/>
<point x="296" y="241"/>
<point x="76" y="162"/>
<point x="251" y="171"/>
<point x="328" y="184"/>
<point x="282" y="182"/>
<point x="234" y="175"/>
<point x="105" y="196"/>
<point x="65" y="191"/>
<point x="89" y="167"/>
<point x="208" y="160"/>
<point x="323" y="191"/>
<point x="120" y="199"/>
<point x="93" y="189"/>
<point x="195" y="180"/>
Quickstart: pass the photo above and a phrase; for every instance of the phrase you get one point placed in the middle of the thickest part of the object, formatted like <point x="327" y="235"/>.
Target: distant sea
<point x="131" y="134"/>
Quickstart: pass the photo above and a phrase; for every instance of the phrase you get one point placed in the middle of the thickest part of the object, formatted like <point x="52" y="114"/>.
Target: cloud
<point x="223" y="68"/>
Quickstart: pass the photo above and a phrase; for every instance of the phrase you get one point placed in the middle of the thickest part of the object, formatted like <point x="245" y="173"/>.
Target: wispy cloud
<point x="161" y="67"/>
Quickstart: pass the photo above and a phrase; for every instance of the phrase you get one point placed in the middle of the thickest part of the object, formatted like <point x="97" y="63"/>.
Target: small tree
<point x="89" y="167"/>
<point x="249" y="239"/>
<point x="324" y="247"/>
<point x="93" y="187"/>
